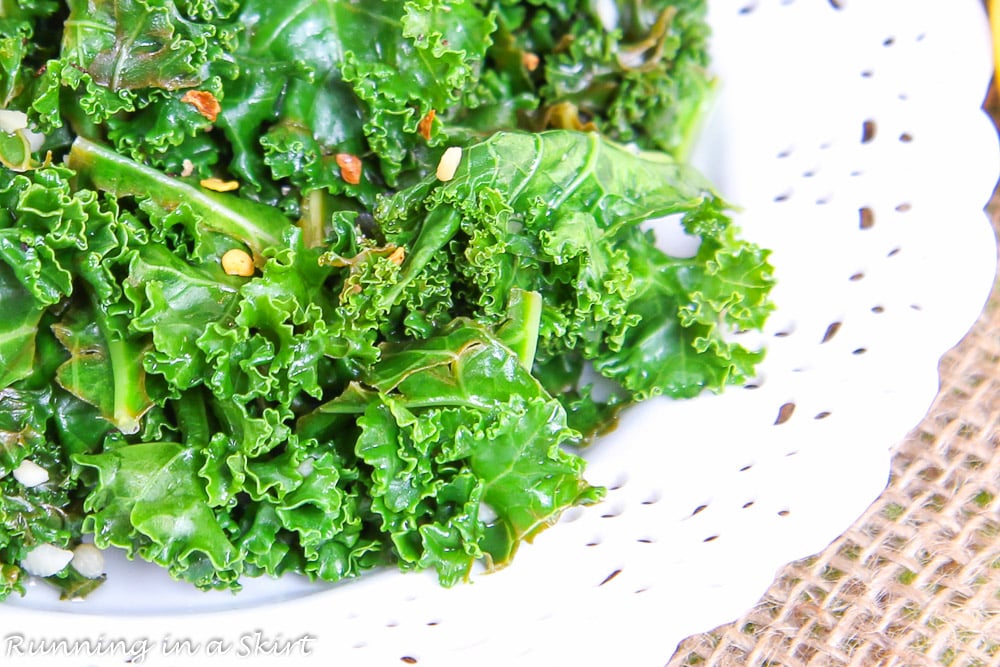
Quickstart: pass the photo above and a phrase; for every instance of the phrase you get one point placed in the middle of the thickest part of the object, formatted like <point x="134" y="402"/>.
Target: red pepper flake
<point x="350" y="167"/>
<point x="530" y="61"/>
<point x="425" y="124"/>
<point x="398" y="255"/>
<point x="204" y="102"/>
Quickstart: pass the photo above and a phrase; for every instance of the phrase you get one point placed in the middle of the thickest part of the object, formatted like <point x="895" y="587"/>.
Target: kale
<point x="400" y="376"/>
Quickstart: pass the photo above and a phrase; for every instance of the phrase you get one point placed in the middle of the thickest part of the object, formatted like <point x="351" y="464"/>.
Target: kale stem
<point x="258" y="226"/>
<point x="313" y="217"/>
<point x="192" y="418"/>
<point x="130" y="401"/>
<point x="520" y="331"/>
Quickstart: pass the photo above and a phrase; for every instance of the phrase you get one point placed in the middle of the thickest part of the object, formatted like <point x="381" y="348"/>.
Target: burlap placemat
<point x="916" y="580"/>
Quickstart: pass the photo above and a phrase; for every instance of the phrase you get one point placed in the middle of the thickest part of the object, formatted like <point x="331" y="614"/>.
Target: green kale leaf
<point x="559" y="213"/>
<point x="394" y="370"/>
<point x="151" y="502"/>
<point x="464" y="448"/>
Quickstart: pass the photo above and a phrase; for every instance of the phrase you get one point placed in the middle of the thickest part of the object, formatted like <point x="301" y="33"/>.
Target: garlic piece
<point x="486" y="513"/>
<point x="31" y="474"/>
<point x="448" y="164"/>
<point x="88" y="560"/>
<point x="46" y="560"/>
<point x="35" y="139"/>
<point x="12" y="121"/>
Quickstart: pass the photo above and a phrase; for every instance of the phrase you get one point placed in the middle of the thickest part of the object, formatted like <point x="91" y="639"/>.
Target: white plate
<point x="849" y="132"/>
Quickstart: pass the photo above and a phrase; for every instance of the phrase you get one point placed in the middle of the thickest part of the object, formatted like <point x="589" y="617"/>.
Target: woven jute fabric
<point x="916" y="580"/>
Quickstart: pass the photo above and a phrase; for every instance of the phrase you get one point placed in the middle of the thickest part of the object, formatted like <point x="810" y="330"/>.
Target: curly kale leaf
<point x="463" y="446"/>
<point x="275" y="344"/>
<point x="52" y="239"/>
<point x="262" y="336"/>
<point x="30" y="518"/>
<point x="14" y="40"/>
<point x="171" y="134"/>
<point x="105" y="366"/>
<point x="150" y="501"/>
<point x="258" y="227"/>
<point x="635" y="71"/>
<point x="137" y="44"/>
<point x="397" y="376"/>
<point x="645" y="80"/>
<point x="122" y="55"/>
<point x="61" y="243"/>
<point x="18" y="328"/>
<point x="43" y="228"/>
<point x="44" y="514"/>
<point x="558" y="213"/>
<point x="26" y="41"/>
<point x="318" y="79"/>
<point x="687" y="309"/>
